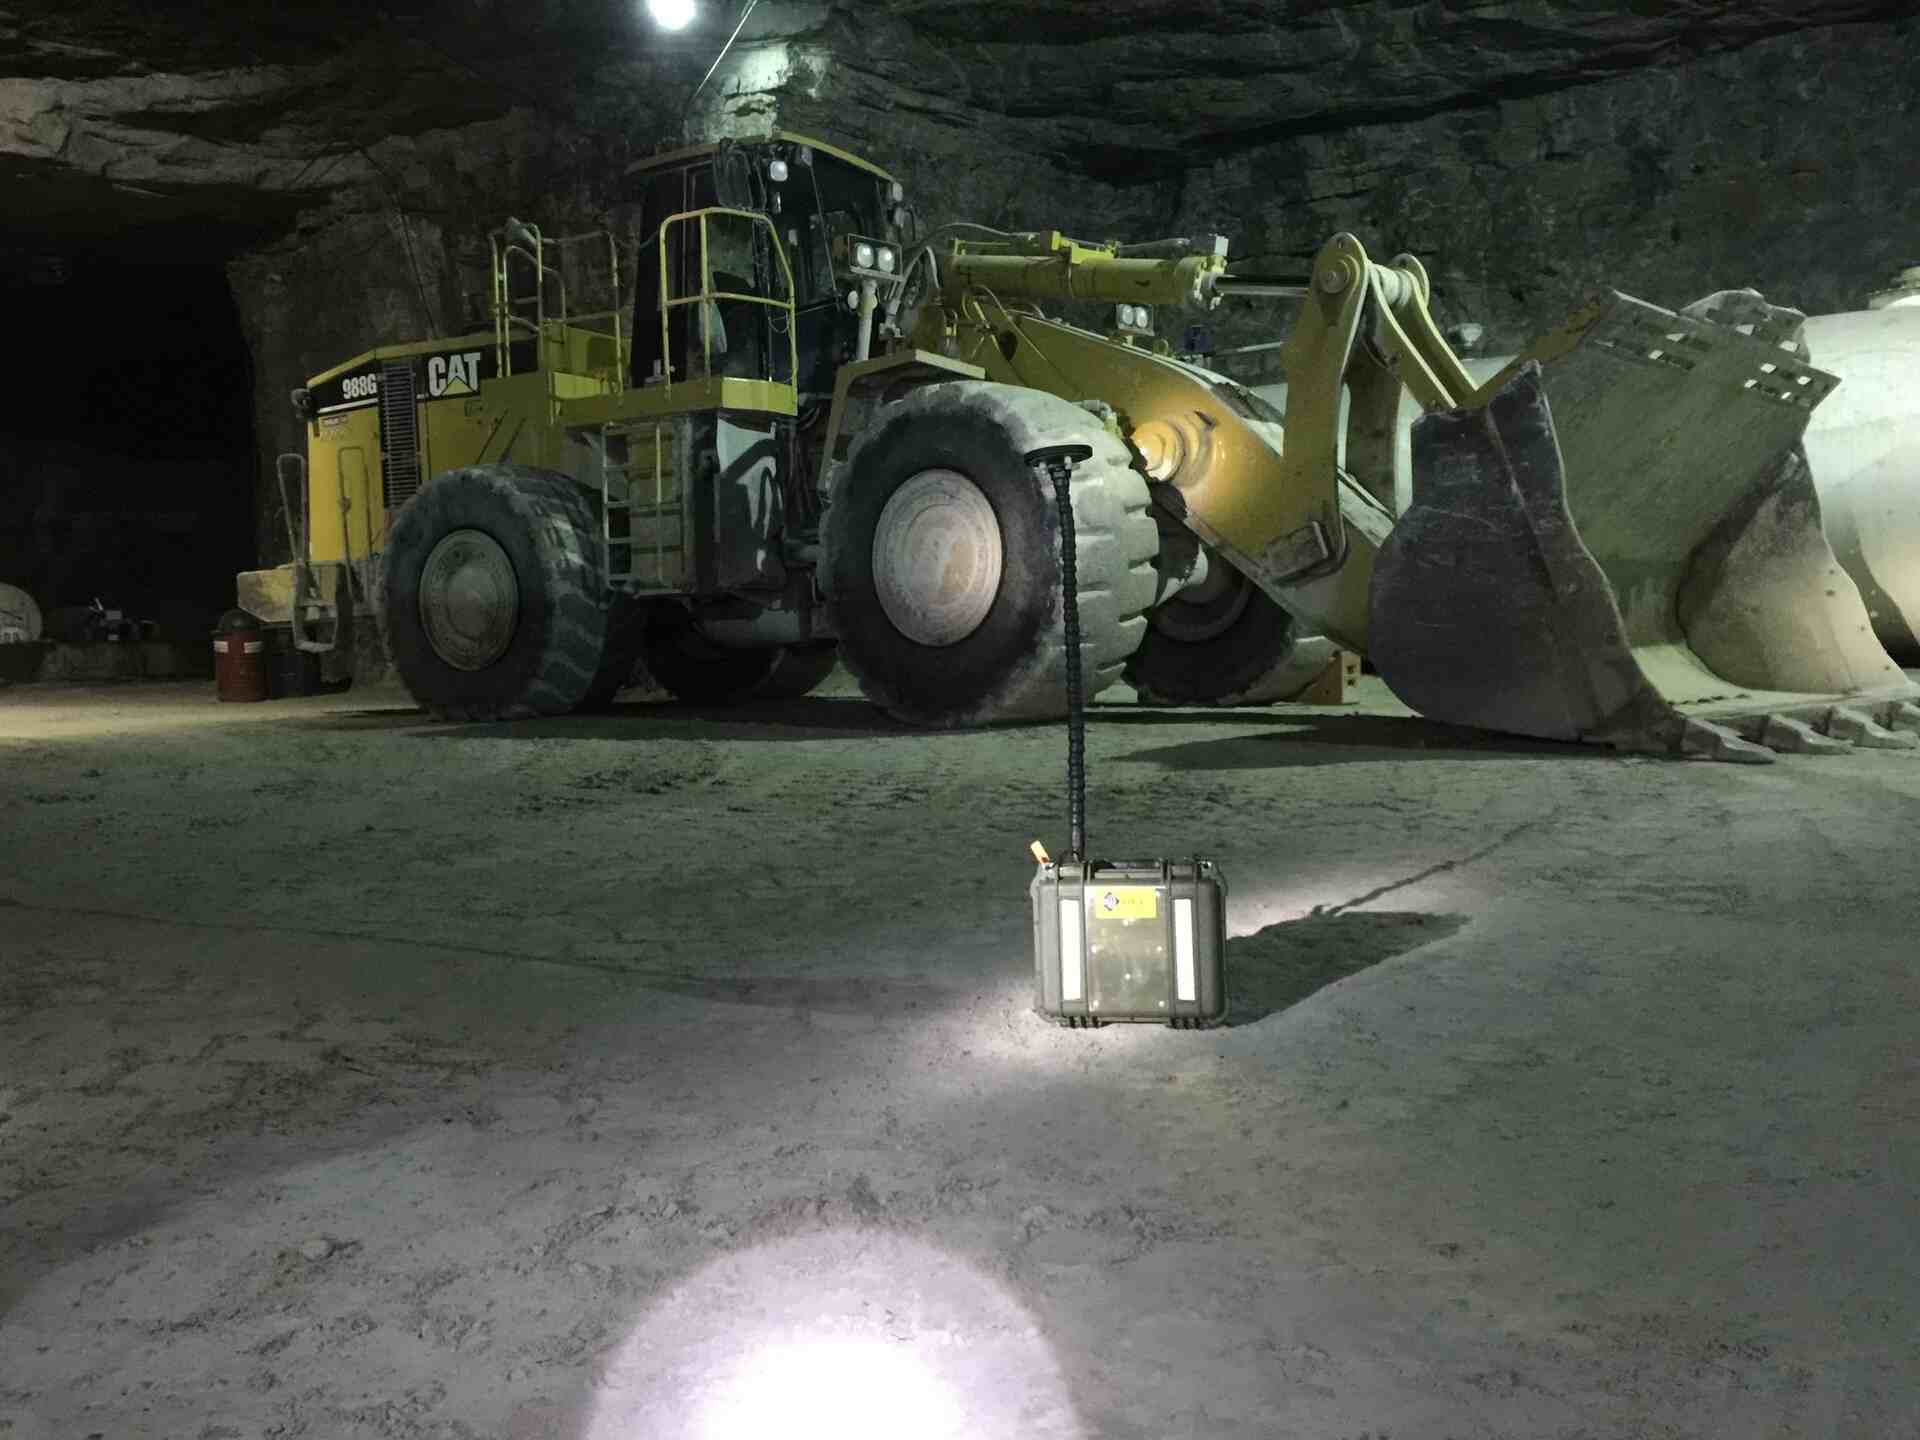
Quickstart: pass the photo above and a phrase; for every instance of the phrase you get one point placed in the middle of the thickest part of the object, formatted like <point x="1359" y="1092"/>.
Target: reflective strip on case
<point x="1072" y="961"/>
<point x="1186" y="983"/>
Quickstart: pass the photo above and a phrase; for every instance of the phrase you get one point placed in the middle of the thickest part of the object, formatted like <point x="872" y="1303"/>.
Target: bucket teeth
<point x="1703" y="740"/>
<point x="1859" y="728"/>
<point x="1794" y="737"/>
<point x="1901" y="715"/>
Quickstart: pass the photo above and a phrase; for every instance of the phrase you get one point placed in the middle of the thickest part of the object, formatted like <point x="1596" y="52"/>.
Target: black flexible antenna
<point x="686" y="111"/>
<point x="1059" y="461"/>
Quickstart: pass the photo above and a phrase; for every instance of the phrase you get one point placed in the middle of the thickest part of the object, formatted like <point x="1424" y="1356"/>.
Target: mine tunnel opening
<point x="126" y="444"/>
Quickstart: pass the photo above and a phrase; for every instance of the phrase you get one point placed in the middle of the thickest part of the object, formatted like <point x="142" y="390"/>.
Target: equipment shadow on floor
<point x="1276" y="968"/>
<point x="1295" y="738"/>
<point x="816" y="717"/>
<point x="812" y="717"/>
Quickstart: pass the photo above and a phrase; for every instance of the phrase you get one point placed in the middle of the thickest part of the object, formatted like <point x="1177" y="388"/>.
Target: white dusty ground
<point x="672" y="1074"/>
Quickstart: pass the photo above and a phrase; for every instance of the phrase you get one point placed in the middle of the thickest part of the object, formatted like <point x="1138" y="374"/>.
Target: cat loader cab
<point x="764" y="218"/>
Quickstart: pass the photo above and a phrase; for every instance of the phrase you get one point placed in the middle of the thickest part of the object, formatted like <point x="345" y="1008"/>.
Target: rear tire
<point x="948" y="607"/>
<point x="492" y="606"/>
<point x="626" y="633"/>
<point x="1225" y="643"/>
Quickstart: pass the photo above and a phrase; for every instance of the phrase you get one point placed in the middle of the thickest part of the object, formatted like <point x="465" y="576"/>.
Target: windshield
<point x="823" y="200"/>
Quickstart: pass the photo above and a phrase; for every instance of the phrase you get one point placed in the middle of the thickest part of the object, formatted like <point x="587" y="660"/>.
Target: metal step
<point x="643" y="533"/>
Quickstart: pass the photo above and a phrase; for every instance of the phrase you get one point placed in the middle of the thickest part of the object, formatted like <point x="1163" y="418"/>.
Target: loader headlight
<point x="872" y="259"/>
<point x="1135" y="319"/>
<point x="777" y="171"/>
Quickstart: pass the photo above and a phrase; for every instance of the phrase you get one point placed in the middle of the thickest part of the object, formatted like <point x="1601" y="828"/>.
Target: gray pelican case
<point x="1133" y="940"/>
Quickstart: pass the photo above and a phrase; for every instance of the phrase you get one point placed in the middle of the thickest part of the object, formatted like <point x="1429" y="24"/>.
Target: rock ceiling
<point x="151" y="126"/>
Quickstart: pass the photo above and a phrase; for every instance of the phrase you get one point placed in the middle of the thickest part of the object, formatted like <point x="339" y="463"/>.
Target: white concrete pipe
<point x="1864" y="446"/>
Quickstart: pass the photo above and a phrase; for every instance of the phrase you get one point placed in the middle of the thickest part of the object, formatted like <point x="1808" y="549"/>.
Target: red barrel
<point x="240" y="657"/>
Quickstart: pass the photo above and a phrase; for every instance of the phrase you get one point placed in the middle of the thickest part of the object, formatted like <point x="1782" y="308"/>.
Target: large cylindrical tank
<point x="1864" y="446"/>
<point x="20" y="619"/>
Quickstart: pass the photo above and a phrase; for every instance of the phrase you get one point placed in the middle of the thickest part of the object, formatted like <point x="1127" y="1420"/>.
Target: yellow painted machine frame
<point x="578" y="383"/>
<point x="1290" y="517"/>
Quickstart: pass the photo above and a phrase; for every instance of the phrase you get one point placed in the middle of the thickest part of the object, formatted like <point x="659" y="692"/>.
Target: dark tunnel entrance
<point x="126" y="443"/>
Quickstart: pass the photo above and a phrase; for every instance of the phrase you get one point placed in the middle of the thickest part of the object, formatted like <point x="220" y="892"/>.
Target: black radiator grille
<point x="399" y="433"/>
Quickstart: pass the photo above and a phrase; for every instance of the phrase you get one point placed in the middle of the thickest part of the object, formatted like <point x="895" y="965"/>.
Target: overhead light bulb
<point x="671" y="14"/>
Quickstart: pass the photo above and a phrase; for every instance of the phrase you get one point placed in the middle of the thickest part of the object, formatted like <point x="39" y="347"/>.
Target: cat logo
<point x="457" y="374"/>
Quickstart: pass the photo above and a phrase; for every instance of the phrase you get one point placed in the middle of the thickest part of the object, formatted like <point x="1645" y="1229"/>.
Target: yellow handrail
<point x="707" y="293"/>
<point x="530" y="244"/>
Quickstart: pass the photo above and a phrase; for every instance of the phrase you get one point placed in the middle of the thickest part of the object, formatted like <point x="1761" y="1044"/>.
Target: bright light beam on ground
<point x="836" y="1335"/>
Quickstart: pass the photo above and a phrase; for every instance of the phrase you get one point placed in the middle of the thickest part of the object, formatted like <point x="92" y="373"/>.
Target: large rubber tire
<point x="1225" y="643"/>
<point x="1011" y="665"/>
<point x="620" y="658"/>
<point x="692" y="668"/>
<point x="544" y="524"/>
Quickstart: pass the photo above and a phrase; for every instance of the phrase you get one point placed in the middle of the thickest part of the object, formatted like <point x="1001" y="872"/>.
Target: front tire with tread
<point x="1012" y="665"/>
<point x="1251" y="653"/>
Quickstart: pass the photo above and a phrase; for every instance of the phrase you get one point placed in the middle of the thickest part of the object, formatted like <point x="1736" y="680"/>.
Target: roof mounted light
<point x="671" y="14"/>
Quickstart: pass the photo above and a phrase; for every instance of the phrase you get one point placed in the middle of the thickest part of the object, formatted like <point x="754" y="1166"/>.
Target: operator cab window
<point x="667" y="193"/>
<point x="820" y="202"/>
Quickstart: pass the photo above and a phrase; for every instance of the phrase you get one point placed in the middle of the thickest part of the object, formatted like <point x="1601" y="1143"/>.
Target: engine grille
<point x="399" y="433"/>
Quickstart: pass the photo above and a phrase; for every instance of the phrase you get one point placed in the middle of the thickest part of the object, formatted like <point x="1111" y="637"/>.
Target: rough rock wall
<point x="1526" y="164"/>
<point x="401" y="258"/>
<point x="1788" y="166"/>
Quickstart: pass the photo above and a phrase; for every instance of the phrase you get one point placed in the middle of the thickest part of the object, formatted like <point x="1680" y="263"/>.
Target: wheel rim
<point x="1208" y="609"/>
<point x="937" y="557"/>
<point x="469" y="600"/>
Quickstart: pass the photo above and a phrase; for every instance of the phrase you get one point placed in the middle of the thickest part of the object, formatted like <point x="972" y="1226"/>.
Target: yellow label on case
<point x="1127" y="902"/>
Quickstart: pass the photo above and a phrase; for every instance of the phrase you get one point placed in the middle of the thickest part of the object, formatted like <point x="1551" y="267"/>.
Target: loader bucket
<point x="1623" y="544"/>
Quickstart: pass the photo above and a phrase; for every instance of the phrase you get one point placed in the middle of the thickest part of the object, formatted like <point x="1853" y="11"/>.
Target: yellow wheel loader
<point x="778" y="425"/>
